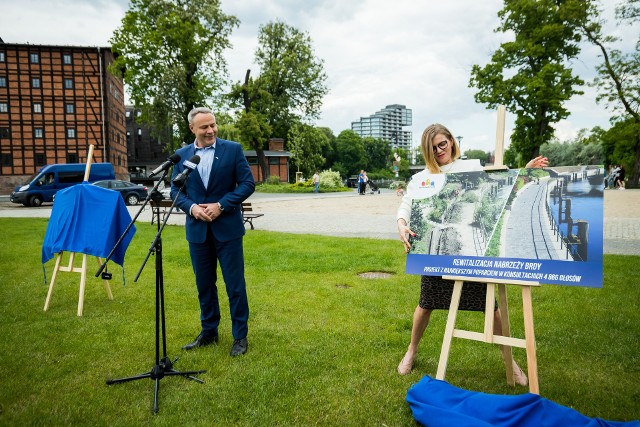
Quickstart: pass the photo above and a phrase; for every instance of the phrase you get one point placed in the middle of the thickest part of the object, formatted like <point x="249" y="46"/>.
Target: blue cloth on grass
<point x="88" y="219"/>
<point x="436" y="403"/>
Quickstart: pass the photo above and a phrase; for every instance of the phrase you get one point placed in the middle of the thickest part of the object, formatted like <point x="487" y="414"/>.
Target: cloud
<point x="375" y="53"/>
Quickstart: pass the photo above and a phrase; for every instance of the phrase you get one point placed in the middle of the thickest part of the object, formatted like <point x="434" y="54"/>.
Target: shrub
<point x="330" y="179"/>
<point x="273" y="180"/>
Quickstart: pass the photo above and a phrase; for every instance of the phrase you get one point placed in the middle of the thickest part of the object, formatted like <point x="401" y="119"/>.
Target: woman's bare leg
<point x="420" y="321"/>
<point x="518" y="374"/>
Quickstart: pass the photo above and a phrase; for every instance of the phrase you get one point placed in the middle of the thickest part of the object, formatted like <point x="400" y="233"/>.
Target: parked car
<point x="131" y="193"/>
<point x="42" y="186"/>
<point x="351" y="182"/>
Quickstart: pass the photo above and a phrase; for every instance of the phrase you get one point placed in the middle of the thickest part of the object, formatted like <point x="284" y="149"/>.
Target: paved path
<point x="373" y="216"/>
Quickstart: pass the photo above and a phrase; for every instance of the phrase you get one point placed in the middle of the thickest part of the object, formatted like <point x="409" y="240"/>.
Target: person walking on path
<point x="316" y="182"/>
<point x="212" y="198"/>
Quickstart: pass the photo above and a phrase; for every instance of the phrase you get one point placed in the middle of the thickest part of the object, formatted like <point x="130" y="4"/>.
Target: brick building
<point x="55" y="101"/>
<point x="277" y="161"/>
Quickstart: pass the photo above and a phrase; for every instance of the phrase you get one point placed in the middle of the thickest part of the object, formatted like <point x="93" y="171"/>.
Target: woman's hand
<point x="538" y="162"/>
<point x="405" y="232"/>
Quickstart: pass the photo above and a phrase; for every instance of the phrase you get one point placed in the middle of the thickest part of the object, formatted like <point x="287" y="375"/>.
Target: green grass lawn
<point x="324" y="343"/>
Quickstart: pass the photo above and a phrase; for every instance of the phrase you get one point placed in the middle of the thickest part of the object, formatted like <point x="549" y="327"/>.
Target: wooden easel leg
<point x="448" y="332"/>
<point x="106" y="282"/>
<point x="532" y="363"/>
<point x="83" y="280"/>
<point x="53" y="279"/>
<point x="507" y="350"/>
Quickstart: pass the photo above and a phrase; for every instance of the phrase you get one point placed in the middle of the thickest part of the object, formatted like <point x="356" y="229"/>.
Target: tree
<point x="529" y="75"/>
<point x="477" y="154"/>
<point x="618" y="83"/>
<point x="351" y="153"/>
<point x="306" y="144"/>
<point x="169" y="53"/>
<point x="288" y="90"/>
<point x="329" y="152"/>
<point x="378" y="153"/>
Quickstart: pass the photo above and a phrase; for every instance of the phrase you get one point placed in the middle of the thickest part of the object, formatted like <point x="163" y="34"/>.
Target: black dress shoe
<point x="201" y="341"/>
<point x="239" y="347"/>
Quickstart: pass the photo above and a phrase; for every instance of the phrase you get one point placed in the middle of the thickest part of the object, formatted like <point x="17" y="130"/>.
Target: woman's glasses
<point x="440" y="146"/>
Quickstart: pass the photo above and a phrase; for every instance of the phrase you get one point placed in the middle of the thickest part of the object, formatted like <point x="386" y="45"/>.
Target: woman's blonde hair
<point x="427" y="142"/>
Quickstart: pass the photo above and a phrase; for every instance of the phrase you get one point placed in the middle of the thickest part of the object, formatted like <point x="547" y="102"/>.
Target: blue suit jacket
<point x="230" y="183"/>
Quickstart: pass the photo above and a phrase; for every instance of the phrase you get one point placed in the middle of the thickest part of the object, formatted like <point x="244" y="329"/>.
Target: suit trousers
<point x="204" y="258"/>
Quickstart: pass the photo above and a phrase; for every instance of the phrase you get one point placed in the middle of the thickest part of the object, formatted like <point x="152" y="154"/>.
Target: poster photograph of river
<point x="540" y="225"/>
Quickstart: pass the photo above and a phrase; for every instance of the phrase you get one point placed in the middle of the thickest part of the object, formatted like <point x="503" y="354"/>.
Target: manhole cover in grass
<point x="343" y="286"/>
<point x="375" y="275"/>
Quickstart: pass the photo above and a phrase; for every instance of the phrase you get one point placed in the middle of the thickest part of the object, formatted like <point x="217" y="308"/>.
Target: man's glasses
<point x="440" y="146"/>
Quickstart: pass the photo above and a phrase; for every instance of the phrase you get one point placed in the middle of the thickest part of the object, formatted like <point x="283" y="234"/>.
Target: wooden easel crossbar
<point x="507" y="342"/>
<point x="70" y="268"/>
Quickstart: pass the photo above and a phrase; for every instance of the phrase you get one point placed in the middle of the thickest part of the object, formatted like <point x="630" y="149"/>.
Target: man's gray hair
<point x="198" y="110"/>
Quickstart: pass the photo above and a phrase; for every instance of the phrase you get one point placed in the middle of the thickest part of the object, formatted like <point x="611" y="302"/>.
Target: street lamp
<point x="459" y="138"/>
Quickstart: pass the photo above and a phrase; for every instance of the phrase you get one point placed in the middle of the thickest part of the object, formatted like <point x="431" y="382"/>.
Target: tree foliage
<point x="170" y="55"/>
<point x="289" y="89"/>
<point x="351" y="153"/>
<point x="378" y="154"/>
<point x="618" y="84"/>
<point x="585" y="149"/>
<point x="530" y="75"/>
<point x="306" y="144"/>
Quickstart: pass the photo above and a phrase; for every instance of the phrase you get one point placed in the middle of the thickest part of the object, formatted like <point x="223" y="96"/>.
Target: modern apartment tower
<point x="387" y="125"/>
<point x="56" y="101"/>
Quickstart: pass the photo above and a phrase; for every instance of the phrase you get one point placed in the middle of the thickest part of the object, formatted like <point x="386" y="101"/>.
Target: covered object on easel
<point x="436" y="403"/>
<point x="89" y="220"/>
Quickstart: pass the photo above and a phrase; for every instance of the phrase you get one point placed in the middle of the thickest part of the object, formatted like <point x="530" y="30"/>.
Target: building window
<point x="66" y="58"/>
<point x="7" y="159"/>
<point x="71" y="133"/>
<point x="2" y="57"/>
<point x="127" y="113"/>
<point x="68" y="83"/>
<point x="70" y="108"/>
<point x="72" y="158"/>
<point x="34" y="58"/>
<point x="4" y="132"/>
<point x="37" y="107"/>
<point x="41" y="159"/>
<point x="4" y="107"/>
<point x="35" y="83"/>
<point x="3" y="82"/>
<point x="37" y="132"/>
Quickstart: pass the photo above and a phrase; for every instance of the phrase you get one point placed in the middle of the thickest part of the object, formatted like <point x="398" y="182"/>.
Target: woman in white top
<point x="441" y="154"/>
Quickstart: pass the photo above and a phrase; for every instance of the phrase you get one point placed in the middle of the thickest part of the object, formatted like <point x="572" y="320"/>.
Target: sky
<point x="375" y="53"/>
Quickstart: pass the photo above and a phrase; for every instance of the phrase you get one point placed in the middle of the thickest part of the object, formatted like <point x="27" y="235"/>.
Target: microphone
<point x="175" y="158"/>
<point x="189" y="166"/>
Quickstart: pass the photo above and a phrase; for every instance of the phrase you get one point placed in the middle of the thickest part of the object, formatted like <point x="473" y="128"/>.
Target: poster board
<point x="542" y="225"/>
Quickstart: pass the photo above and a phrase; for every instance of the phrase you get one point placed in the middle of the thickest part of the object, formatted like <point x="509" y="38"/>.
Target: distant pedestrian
<point x="316" y="182"/>
<point x="619" y="179"/>
<point x="361" y="182"/>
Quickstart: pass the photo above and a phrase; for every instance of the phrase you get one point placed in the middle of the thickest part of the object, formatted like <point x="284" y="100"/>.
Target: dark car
<point x="352" y="181"/>
<point x="131" y="193"/>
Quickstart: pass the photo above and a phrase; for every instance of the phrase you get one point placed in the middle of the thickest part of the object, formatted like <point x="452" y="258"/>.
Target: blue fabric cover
<point x="88" y="219"/>
<point x="436" y="403"/>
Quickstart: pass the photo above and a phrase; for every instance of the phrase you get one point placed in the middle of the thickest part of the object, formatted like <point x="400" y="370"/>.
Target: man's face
<point x="205" y="129"/>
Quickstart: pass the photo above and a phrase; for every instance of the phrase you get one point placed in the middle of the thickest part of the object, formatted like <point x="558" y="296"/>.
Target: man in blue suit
<point x="212" y="198"/>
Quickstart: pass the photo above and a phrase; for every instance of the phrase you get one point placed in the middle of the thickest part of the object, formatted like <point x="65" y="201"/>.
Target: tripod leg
<point x="155" y="396"/>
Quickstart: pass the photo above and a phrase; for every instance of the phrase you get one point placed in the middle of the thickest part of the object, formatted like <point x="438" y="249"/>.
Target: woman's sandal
<point x="519" y="375"/>
<point x="405" y="366"/>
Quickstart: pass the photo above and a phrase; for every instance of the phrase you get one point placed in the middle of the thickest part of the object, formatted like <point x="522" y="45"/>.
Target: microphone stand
<point x="162" y="367"/>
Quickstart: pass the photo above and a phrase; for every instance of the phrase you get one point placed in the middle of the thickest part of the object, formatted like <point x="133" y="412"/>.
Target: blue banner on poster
<point x="541" y="225"/>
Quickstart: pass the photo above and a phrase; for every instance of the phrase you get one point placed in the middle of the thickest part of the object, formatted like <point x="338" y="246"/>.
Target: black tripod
<point x="163" y="367"/>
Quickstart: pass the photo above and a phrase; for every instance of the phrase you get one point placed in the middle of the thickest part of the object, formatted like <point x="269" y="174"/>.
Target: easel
<point x="507" y="342"/>
<point x="70" y="267"/>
